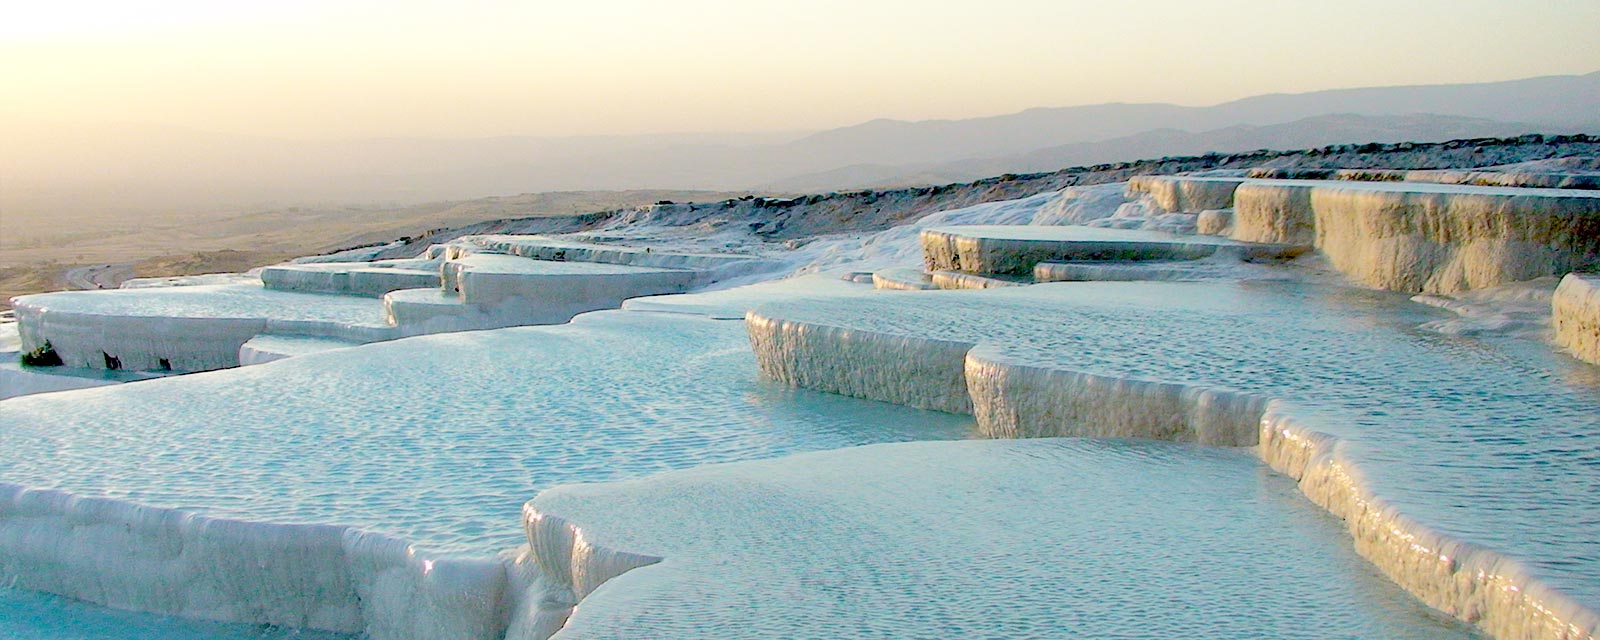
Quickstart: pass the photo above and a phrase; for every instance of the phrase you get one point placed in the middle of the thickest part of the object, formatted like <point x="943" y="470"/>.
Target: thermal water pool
<point x="409" y="439"/>
<point x="438" y="440"/>
<point x="1039" y="538"/>
<point x="27" y="615"/>
<point x="1488" y="442"/>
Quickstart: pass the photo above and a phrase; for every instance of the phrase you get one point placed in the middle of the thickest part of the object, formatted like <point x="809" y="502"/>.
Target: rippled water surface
<point x="438" y="440"/>
<point x="25" y="615"/>
<point x="1492" y="440"/>
<point x="1047" y="538"/>
<point x="215" y="301"/>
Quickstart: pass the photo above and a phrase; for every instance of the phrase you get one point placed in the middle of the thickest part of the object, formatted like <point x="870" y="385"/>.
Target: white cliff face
<point x="1576" y="312"/>
<point x="1277" y="211"/>
<point x="1201" y="362"/>
<point x="848" y="361"/>
<point x="1525" y="177"/>
<point x="899" y="247"/>
<point x="1016" y="250"/>
<point x="1020" y="401"/>
<point x="1446" y="242"/>
<point x="964" y="539"/>
<point x="1214" y="222"/>
<point x="1178" y="194"/>
<point x="195" y="328"/>
<point x="369" y="279"/>
<point x="182" y="563"/>
<point x="959" y="280"/>
<point x="1439" y="236"/>
<point x="1426" y="238"/>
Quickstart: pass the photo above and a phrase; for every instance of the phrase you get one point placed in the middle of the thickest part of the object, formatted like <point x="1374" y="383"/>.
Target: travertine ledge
<point x="1426" y="238"/>
<point x="1575" y="312"/>
<point x="1173" y="194"/>
<point x="1012" y="397"/>
<point x="1016" y="250"/>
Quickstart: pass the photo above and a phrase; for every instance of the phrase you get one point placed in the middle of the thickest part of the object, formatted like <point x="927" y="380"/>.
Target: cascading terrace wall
<point x="1419" y="238"/>
<point x="1428" y="241"/>
<point x="1179" y="194"/>
<point x="1011" y="399"/>
<point x="90" y="340"/>
<point x="177" y="562"/>
<point x="1575" y="312"/>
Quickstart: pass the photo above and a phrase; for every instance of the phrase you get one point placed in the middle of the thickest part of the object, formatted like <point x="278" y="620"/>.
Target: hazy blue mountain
<point x="1300" y="134"/>
<point x="59" y="169"/>
<point x="1559" y="102"/>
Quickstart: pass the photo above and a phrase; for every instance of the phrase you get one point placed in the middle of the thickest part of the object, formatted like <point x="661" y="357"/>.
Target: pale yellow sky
<point x="467" y="69"/>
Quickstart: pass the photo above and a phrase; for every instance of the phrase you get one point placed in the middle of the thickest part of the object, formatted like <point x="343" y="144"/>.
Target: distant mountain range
<point x="1310" y="132"/>
<point x="51" y="170"/>
<point x="1560" y="101"/>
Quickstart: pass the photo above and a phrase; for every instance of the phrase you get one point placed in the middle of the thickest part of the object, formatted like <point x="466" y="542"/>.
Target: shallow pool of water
<point x="1044" y="538"/>
<point x="438" y="440"/>
<point x="1491" y="440"/>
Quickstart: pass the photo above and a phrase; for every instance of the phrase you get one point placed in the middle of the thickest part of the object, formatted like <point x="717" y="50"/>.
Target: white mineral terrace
<point x="489" y="279"/>
<point x="266" y="348"/>
<point x="1424" y="237"/>
<point x="1487" y="178"/>
<point x="1463" y="472"/>
<point x="903" y="279"/>
<point x="1576" y="315"/>
<point x="959" y="280"/>
<point x="965" y="539"/>
<point x="185" y="328"/>
<point x="686" y="489"/>
<point x="369" y="489"/>
<point x="1153" y="270"/>
<point x="489" y="291"/>
<point x="1418" y="237"/>
<point x="200" y="328"/>
<point x="1014" y="250"/>
<point x="711" y="266"/>
<point x="371" y="279"/>
<point x="1175" y="194"/>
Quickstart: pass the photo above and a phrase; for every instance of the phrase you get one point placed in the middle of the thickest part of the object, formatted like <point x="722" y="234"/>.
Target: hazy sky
<point x="462" y="68"/>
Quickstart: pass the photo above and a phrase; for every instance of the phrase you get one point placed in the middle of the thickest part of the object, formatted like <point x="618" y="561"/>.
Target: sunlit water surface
<point x="1491" y="440"/>
<point x="1044" y="538"/>
<point x="438" y="440"/>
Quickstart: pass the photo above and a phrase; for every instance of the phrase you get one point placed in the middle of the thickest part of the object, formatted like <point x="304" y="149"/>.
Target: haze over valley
<point x="76" y="195"/>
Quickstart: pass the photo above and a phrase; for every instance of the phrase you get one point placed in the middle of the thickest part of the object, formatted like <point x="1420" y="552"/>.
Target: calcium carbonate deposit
<point x="1259" y="435"/>
<point x="1200" y="362"/>
<point x="910" y="540"/>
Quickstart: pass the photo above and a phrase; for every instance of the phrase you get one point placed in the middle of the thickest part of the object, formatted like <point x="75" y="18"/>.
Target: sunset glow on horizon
<point x="436" y="69"/>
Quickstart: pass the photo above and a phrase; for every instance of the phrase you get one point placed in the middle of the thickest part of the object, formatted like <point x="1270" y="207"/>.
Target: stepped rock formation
<point x="1426" y="238"/>
<point x="1576" y="315"/>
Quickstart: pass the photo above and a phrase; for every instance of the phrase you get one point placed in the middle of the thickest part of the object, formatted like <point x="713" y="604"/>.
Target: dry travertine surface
<point x="812" y="215"/>
<point x="1575" y="311"/>
<point x="36" y="255"/>
<point x="33" y="264"/>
